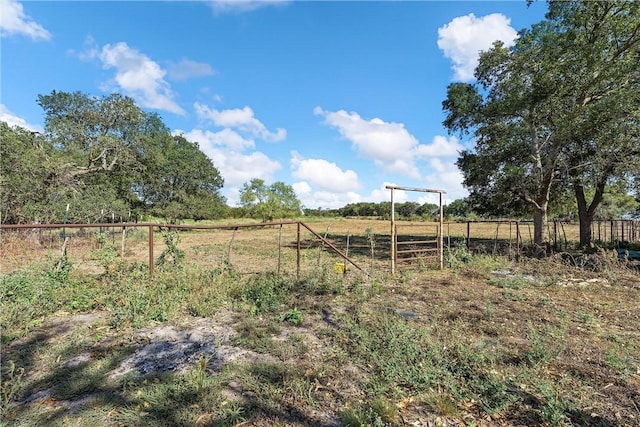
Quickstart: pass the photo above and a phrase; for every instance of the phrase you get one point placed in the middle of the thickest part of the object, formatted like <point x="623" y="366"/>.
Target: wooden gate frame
<point x="394" y="248"/>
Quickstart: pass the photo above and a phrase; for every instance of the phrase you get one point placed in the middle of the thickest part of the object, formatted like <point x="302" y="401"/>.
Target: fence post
<point x="611" y="232"/>
<point x="298" y="253"/>
<point x="150" y="250"/>
<point x="518" y="237"/>
<point x="469" y="236"/>
<point x="279" y="249"/>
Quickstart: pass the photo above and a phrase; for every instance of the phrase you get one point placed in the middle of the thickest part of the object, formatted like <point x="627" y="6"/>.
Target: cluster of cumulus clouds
<point x="232" y="137"/>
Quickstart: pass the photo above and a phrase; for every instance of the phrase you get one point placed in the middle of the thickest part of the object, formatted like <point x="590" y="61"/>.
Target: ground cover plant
<point x="486" y="342"/>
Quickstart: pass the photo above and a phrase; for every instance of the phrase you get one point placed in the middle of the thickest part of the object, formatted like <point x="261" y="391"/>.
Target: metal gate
<point x="417" y="245"/>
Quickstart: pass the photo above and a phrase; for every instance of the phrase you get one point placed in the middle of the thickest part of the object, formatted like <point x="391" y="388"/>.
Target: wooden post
<point x="233" y="236"/>
<point x="124" y="235"/>
<point x="510" y="237"/>
<point x="298" y="253"/>
<point x="518" y="238"/>
<point x="469" y="236"/>
<point x="150" y="250"/>
<point x="611" y="233"/>
<point x="441" y="234"/>
<point x="393" y="234"/>
<point x="279" y="249"/>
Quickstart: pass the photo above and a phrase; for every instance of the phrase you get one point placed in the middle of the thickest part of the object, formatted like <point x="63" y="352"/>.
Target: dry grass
<point x="486" y="343"/>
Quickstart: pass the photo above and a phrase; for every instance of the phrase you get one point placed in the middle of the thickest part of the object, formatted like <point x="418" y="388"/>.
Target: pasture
<point x="229" y="331"/>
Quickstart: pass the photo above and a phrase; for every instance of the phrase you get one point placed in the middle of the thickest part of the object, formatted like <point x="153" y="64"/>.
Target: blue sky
<point x="337" y="99"/>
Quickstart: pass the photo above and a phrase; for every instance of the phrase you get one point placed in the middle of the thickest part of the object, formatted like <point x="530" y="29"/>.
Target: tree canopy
<point x="269" y="202"/>
<point x="558" y="109"/>
<point x="103" y="156"/>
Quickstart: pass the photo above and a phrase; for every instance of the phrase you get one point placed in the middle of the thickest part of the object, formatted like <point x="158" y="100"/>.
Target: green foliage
<point x="30" y="295"/>
<point x="378" y="413"/>
<point x="61" y="269"/>
<point x="12" y="382"/>
<point x="181" y="181"/>
<point x="26" y="161"/>
<point x="554" y="407"/>
<point x="557" y="110"/>
<point x="133" y="302"/>
<point x="293" y="317"/>
<point x="172" y="255"/>
<point x="269" y="202"/>
<point x="103" y="154"/>
<point x="106" y="253"/>
<point x="544" y="347"/>
<point x="265" y="293"/>
<point x="457" y="255"/>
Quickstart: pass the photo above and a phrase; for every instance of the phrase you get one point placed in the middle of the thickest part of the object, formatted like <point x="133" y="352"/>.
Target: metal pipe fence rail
<point x="253" y="249"/>
<point x="292" y="246"/>
<point x="509" y="237"/>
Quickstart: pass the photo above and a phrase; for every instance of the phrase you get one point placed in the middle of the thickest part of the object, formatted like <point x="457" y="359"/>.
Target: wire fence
<point x="287" y="247"/>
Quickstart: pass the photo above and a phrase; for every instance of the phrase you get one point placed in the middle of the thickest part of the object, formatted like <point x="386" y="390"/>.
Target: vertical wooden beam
<point x="298" y="254"/>
<point x="150" y="250"/>
<point x="393" y="234"/>
<point x="279" y="249"/>
<point x="441" y="234"/>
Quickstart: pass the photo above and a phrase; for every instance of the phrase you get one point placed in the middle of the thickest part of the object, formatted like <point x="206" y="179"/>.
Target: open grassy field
<point x="216" y="337"/>
<point x="255" y="249"/>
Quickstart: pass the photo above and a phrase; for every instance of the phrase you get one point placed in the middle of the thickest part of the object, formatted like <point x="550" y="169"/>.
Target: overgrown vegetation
<point x="485" y="340"/>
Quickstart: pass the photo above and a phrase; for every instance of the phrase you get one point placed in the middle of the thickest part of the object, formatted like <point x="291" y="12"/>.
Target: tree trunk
<point x="585" y="229"/>
<point x="539" y="224"/>
<point x="587" y="212"/>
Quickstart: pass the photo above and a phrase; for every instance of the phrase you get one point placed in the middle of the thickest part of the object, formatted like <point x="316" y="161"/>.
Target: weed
<point x="265" y="292"/>
<point x="293" y="316"/>
<point x="457" y="255"/>
<point x="378" y="413"/>
<point x="543" y="348"/>
<point x="12" y="381"/>
<point x="61" y="269"/>
<point x="489" y="310"/>
<point x="620" y="362"/>
<point x="172" y="254"/>
<point x="441" y="403"/>
<point x="554" y="408"/>
<point x="371" y="238"/>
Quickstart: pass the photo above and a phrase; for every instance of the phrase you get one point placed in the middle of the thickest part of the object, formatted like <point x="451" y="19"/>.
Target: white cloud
<point x="301" y="188"/>
<point x="12" y="120"/>
<point x="225" y="148"/>
<point x="241" y="119"/>
<point x="444" y="175"/>
<point x="323" y="174"/>
<point x="441" y="146"/>
<point x="187" y="69"/>
<point x="240" y="6"/>
<point x="13" y="20"/>
<point x="383" y="194"/>
<point x="238" y="168"/>
<point x="137" y="75"/>
<point x="388" y="144"/>
<point x="464" y="37"/>
<point x="224" y="138"/>
<point x="323" y="199"/>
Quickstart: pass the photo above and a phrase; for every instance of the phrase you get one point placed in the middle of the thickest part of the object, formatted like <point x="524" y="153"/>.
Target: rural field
<point x="231" y="329"/>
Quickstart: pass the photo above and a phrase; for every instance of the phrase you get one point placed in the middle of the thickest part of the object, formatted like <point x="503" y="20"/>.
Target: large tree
<point x="559" y="108"/>
<point x="26" y="162"/>
<point x="103" y="156"/>
<point x="181" y="181"/>
<point x="268" y="202"/>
